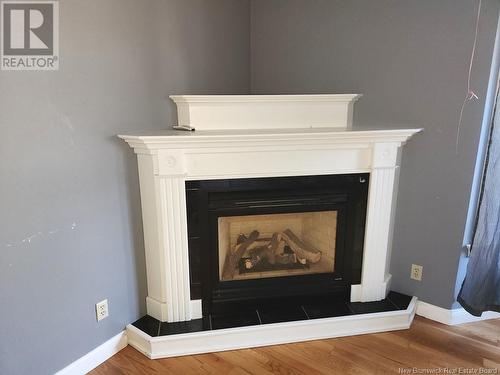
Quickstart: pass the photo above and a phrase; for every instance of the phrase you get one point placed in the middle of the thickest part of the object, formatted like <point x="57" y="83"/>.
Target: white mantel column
<point x="163" y="196"/>
<point x="384" y="176"/>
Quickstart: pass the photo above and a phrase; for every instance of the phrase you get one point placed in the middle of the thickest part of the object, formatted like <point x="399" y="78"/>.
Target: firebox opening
<point x="261" y="242"/>
<point x="276" y="245"/>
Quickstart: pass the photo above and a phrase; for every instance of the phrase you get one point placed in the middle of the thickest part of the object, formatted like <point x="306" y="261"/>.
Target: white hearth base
<point x="268" y="334"/>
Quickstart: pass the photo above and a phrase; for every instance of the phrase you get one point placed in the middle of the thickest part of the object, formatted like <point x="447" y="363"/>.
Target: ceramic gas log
<point x="232" y="258"/>
<point x="284" y="250"/>
<point x="277" y="244"/>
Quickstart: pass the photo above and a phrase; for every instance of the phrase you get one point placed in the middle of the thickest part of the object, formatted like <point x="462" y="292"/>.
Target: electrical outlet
<point x="416" y="272"/>
<point x="101" y="310"/>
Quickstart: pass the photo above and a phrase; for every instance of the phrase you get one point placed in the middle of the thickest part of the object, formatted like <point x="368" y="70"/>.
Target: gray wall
<point x="410" y="59"/>
<point x="70" y="223"/>
<point x="70" y="230"/>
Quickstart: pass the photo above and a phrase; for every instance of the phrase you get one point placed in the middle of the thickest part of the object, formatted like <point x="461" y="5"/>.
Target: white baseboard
<point x="450" y="316"/>
<point x="268" y="334"/>
<point x="97" y="356"/>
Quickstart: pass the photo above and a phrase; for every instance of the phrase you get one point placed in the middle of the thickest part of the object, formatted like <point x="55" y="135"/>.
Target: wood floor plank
<point x="426" y="344"/>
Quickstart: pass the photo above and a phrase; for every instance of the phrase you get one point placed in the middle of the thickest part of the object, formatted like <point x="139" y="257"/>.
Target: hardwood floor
<point x="426" y="345"/>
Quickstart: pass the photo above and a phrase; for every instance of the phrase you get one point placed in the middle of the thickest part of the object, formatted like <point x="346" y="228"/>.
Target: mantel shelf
<point x="178" y="138"/>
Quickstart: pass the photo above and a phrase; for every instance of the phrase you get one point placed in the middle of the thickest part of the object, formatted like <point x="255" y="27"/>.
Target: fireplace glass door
<point x="257" y="242"/>
<point x="276" y="245"/>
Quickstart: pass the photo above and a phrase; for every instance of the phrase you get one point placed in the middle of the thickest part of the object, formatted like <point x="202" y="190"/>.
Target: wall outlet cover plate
<point x="416" y="272"/>
<point x="101" y="310"/>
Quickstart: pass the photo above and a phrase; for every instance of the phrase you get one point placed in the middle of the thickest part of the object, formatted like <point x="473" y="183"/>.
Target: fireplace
<point x="275" y="240"/>
<point x="272" y="204"/>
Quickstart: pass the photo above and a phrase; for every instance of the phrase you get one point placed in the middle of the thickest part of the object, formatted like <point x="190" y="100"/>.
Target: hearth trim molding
<point x="268" y="334"/>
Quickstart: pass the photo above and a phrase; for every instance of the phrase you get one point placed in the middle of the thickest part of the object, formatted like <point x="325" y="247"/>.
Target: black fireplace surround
<point x="208" y="200"/>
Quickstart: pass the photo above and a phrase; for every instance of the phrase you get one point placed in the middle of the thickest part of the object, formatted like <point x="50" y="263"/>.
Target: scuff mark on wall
<point x="28" y="239"/>
<point x="66" y="121"/>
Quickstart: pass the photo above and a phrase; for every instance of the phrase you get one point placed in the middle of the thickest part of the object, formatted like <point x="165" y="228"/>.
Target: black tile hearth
<point x="282" y="314"/>
<point x="149" y="325"/>
<point x="372" y="307"/>
<point x="273" y="314"/>
<point x="400" y="300"/>
<point x="326" y="310"/>
<point x="241" y="319"/>
<point x="194" y="325"/>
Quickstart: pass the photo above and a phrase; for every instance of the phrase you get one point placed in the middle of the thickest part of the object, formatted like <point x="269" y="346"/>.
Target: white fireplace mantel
<point x="169" y="158"/>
